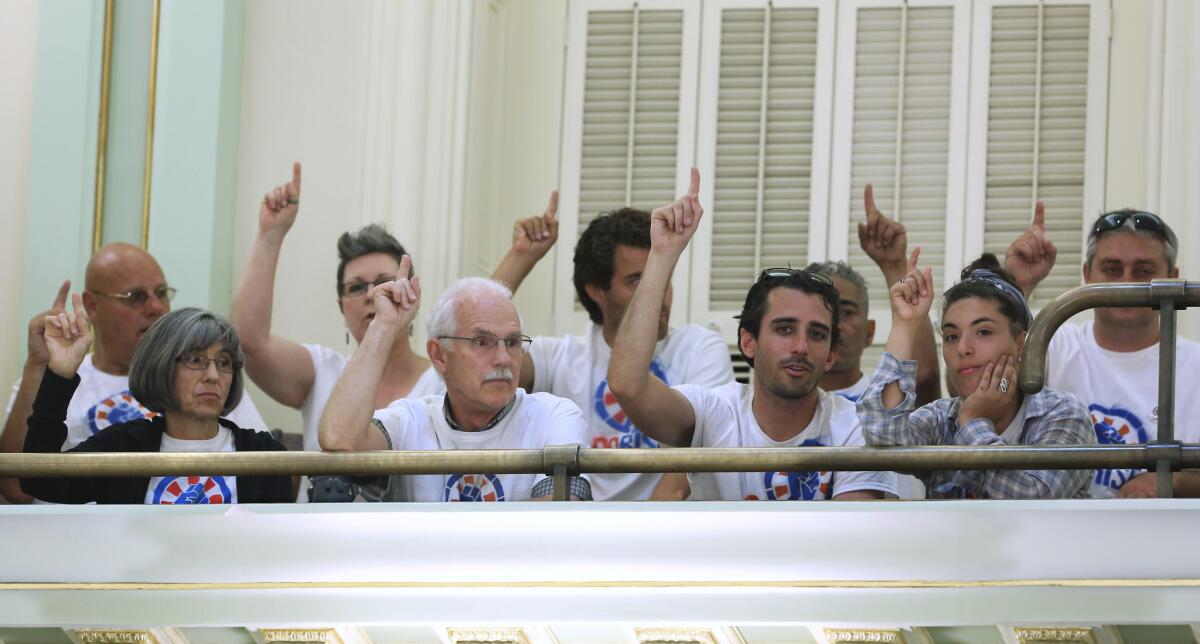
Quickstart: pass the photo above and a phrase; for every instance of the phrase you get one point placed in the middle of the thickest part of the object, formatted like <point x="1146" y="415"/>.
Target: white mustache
<point x="502" y="373"/>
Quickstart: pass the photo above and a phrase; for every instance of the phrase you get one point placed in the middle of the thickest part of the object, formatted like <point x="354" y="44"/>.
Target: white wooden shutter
<point x="628" y="115"/>
<point x="763" y="147"/>
<point x="901" y="126"/>
<point x="1044" y="67"/>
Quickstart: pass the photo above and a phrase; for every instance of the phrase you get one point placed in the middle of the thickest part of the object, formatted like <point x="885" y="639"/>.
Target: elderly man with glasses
<point x="125" y="292"/>
<point x="1111" y="364"/>
<point x="788" y="333"/>
<point x="476" y="343"/>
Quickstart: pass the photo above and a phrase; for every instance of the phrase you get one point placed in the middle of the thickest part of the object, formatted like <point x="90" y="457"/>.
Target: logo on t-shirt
<point x="605" y="404"/>
<point x="794" y="486"/>
<point x="191" y="490"/>
<point x="473" y="487"/>
<point x="1116" y="426"/>
<point x="116" y="409"/>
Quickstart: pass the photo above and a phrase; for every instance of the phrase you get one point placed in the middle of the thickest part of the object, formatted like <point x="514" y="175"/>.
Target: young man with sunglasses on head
<point x="788" y="333"/>
<point x="1111" y="364"/>
<point x="125" y="292"/>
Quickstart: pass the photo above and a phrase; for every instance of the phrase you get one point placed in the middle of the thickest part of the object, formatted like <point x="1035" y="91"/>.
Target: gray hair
<point x="843" y="270"/>
<point x="152" y="372"/>
<point x="441" y="319"/>
<point x="1169" y="241"/>
<point x="371" y="238"/>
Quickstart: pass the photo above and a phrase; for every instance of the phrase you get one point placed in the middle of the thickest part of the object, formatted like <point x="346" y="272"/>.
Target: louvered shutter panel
<point x="630" y="111"/>
<point x="1037" y="118"/>
<point x="764" y="139"/>
<point x="901" y="140"/>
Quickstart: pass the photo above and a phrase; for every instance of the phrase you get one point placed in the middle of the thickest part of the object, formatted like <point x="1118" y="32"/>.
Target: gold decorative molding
<point x="150" y="103"/>
<point x="1037" y="635"/>
<point x="488" y="635"/>
<point x="102" y="125"/>
<point x="327" y="635"/>
<point x="837" y="635"/>
<point x="675" y="635"/>
<point x="115" y="636"/>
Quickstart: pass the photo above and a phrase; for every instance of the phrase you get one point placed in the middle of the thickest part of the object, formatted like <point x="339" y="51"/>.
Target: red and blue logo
<point x="605" y="404"/>
<point x="1117" y="426"/>
<point x="116" y="409"/>
<point x="192" y="490"/>
<point x="474" y="487"/>
<point x="795" y="486"/>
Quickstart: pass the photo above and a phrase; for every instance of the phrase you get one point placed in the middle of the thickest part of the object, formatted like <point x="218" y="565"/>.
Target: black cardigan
<point x="48" y="429"/>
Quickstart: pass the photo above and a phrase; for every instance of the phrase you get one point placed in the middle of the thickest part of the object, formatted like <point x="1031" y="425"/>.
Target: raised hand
<point x="396" y="302"/>
<point x="995" y="395"/>
<point x="38" y="353"/>
<point x="1032" y="255"/>
<point x="672" y="225"/>
<point x="280" y="206"/>
<point x="68" y="338"/>
<point x="535" y="235"/>
<point x="884" y="240"/>
<point x="912" y="296"/>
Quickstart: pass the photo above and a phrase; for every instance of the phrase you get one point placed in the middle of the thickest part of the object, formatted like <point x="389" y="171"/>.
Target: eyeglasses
<point x="483" y="342"/>
<point x="199" y="362"/>
<point x="136" y="299"/>
<point x="781" y="272"/>
<point x="1141" y="221"/>
<point x="359" y="289"/>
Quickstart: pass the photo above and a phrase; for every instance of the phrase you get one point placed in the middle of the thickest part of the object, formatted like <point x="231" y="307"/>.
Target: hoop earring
<point x="347" y="337"/>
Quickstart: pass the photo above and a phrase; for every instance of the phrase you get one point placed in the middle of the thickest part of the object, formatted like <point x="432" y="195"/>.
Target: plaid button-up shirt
<point x="1051" y="418"/>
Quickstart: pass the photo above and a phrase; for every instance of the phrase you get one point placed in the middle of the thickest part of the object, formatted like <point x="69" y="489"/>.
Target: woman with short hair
<point x="188" y="371"/>
<point x="985" y="320"/>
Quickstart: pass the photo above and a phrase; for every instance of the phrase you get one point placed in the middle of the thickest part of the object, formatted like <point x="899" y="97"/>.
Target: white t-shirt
<point x="1120" y="391"/>
<point x="189" y="490"/>
<point x="724" y="418"/>
<point x="908" y="486"/>
<point x="103" y="399"/>
<point x="576" y="367"/>
<point x="328" y="366"/>
<point x="534" y="422"/>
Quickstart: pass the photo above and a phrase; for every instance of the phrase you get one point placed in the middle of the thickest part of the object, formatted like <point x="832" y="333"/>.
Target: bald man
<point x="125" y="292"/>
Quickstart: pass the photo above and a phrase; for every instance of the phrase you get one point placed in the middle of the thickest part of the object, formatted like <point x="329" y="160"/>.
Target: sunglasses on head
<point x="1141" y="221"/>
<point x="807" y="275"/>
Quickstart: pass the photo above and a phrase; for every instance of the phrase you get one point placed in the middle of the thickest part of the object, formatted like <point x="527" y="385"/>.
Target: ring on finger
<point x="1004" y="385"/>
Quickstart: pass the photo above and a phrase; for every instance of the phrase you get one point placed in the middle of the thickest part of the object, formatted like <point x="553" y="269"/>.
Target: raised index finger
<point x="694" y="188"/>
<point x="1039" y="215"/>
<point x="912" y="260"/>
<point x="60" y="300"/>
<point x="869" y="202"/>
<point x="296" y="174"/>
<point x="405" y="268"/>
<point x="552" y="209"/>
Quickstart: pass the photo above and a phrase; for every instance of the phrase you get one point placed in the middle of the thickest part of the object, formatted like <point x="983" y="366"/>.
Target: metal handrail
<point x="1166" y="295"/>
<point x="600" y="461"/>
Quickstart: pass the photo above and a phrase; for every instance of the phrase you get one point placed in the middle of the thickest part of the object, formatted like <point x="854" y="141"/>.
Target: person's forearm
<point x="901" y="343"/>
<point x="514" y="268"/>
<point x="929" y="375"/>
<point x="1187" y="484"/>
<point x="633" y="349"/>
<point x="251" y="310"/>
<point x="13" y="439"/>
<point x="347" y="415"/>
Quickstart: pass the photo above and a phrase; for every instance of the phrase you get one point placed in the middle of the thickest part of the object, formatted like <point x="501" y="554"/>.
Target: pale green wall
<point x="195" y="148"/>
<point x="62" y="160"/>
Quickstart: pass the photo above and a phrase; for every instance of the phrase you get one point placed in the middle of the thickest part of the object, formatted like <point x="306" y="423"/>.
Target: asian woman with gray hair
<point x="985" y="320"/>
<point x="188" y="371"/>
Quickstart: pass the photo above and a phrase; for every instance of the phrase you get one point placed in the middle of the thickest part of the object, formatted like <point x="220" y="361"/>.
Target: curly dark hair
<point x="597" y="247"/>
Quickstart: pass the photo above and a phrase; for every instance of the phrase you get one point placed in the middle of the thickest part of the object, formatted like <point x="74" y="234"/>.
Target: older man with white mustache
<point x="476" y="343"/>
